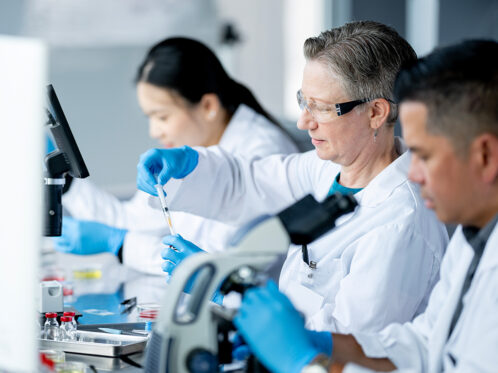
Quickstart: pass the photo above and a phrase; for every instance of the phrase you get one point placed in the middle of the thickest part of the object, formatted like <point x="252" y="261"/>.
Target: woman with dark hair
<point x="189" y="100"/>
<point x="188" y="74"/>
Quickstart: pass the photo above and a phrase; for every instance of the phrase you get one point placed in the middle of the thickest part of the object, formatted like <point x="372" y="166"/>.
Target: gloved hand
<point x="321" y="340"/>
<point x="166" y="164"/>
<point x="176" y="250"/>
<point x="86" y="237"/>
<point x="274" y="330"/>
<point x="240" y="351"/>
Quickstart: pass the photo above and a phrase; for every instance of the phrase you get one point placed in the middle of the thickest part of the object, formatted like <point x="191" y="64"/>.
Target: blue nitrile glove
<point x="85" y="237"/>
<point x="166" y="164"/>
<point x="274" y="330"/>
<point x="321" y="340"/>
<point x="240" y="351"/>
<point x="176" y="250"/>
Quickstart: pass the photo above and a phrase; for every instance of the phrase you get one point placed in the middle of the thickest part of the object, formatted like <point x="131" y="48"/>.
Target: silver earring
<point x="375" y="135"/>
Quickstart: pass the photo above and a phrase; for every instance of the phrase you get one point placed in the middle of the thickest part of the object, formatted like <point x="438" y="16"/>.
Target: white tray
<point x="102" y="344"/>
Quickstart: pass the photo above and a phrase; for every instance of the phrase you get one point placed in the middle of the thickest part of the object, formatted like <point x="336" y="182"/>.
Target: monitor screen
<point x="63" y="137"/>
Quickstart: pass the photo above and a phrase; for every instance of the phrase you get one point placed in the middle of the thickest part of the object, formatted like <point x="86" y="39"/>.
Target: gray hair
<point x="366" y="56"/>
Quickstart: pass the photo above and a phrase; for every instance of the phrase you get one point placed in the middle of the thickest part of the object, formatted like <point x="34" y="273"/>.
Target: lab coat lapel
<point x="490" y="256"/>
<point x="490" y="259"/>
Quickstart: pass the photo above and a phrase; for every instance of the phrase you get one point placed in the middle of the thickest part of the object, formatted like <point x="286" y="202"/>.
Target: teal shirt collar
<point x="336" y="187"/>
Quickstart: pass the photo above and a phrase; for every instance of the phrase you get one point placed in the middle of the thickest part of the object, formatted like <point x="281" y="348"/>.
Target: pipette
<point x="167" y="215"/>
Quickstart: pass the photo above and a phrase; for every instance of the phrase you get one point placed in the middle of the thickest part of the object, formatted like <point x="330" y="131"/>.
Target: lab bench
<point x="96" y="286"/>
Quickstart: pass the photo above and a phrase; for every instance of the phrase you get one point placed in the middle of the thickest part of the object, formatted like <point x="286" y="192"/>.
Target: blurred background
<point x="96" y="46"/>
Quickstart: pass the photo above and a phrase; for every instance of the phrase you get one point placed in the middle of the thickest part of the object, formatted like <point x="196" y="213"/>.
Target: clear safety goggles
<point x="324" y="113"/>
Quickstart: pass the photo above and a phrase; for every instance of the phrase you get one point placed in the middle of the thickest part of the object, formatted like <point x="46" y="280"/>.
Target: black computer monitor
<point x="63" y="161"/>
<point x="63" y="137"/>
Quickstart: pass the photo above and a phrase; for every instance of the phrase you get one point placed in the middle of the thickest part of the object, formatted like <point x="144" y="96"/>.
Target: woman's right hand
<point x="157" y="166"/>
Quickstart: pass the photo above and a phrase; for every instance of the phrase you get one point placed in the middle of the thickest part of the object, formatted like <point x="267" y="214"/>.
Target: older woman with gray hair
<point x="380" y="263"/>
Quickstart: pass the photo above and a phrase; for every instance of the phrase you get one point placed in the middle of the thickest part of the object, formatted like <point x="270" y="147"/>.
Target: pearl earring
<point x="211" y="114"/>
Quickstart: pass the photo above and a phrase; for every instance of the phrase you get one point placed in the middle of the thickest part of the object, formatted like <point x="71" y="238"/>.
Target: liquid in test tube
<point x="167" y="215"/>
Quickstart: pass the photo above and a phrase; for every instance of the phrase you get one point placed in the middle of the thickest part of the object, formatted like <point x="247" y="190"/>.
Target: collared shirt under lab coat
<point x="377" y="267"/>
<point x="248" y="135"/>
<point x="422" y="346"/>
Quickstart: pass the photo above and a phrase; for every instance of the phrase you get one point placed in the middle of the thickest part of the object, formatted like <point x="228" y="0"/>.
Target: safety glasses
<point x="324" y="113"/>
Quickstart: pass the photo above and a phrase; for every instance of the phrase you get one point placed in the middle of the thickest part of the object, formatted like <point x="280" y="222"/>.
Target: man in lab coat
<point x="450" y="122"/>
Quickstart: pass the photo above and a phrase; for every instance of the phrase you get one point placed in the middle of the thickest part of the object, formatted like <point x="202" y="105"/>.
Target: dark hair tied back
<point x="192" y="70"/>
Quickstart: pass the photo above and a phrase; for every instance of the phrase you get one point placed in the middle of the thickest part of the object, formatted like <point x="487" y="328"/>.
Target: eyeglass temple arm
<point x="346" y="107"/>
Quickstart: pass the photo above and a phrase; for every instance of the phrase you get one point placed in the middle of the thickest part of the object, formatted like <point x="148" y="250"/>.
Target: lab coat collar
<point x="242" y="115"/>
<point x="489" y="258"/>
<point x="384" y="184"/>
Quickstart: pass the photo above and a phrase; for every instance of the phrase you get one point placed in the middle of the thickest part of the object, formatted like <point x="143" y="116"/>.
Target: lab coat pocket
<point x="304" y="299"/>
<point x="323" y="277"/>
<point x="314" y="286"/>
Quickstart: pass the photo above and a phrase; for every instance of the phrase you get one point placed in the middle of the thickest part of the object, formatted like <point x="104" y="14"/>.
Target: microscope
<point x="65" y="161"/>
<point x="192" y="334"/>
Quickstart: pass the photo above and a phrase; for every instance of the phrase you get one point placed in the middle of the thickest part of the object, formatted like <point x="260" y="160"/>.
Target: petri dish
<point x="52" y="273"/>
<point x="56" y="356"/>
<point x="71" y="367"/>
<point x="67" y="288"/>
<point x="148" y="311"/>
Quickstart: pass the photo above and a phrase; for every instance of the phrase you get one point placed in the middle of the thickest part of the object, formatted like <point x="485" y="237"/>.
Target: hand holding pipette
<point x="177" y="247"/>
<point x="180" y="250"/>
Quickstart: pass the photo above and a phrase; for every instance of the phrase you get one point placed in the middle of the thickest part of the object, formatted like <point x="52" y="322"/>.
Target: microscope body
<point x="56" y="167"/>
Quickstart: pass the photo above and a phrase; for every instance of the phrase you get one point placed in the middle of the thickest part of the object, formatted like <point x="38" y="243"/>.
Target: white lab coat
<point x="249" y="135"/>
<point x="378" y="266"/>
<point x="422" y="346"/>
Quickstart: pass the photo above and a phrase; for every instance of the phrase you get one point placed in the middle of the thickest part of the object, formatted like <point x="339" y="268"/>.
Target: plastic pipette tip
<point x="167" y="216"/>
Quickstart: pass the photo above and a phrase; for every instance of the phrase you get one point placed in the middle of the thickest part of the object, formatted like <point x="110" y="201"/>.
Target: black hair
<point x="458" y="84"/>
<point x="448" y="68"/>
<point x="191" y="69"/>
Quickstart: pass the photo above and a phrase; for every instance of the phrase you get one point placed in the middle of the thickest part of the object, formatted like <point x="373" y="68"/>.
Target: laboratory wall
<point x="389" y="12"/>
<point x="97" y="92"/>
<point x="465" y="19"/>
<point x="258" y="58"/>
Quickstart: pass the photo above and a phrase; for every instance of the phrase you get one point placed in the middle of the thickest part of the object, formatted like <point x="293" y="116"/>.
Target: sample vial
<point x="73" y="315"/>
<point x="67" y="329"/>
<point x="51" y="327"/>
